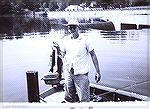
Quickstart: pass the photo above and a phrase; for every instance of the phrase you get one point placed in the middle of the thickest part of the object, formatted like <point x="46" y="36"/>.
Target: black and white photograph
<point x="74" y="54"/>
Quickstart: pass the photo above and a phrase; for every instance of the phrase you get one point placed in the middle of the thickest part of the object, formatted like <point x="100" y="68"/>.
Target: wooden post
<point x="126" y="26"/>
<point x="143" y="26"/>
<point x="33" y="86"/>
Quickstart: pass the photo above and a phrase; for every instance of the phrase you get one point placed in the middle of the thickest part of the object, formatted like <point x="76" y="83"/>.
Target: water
<point x="123" y="58"/>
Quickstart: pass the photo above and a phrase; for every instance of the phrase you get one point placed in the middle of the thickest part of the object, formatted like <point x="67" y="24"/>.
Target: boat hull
<point x="97" y="94"/>
<point x="108" y="26"/>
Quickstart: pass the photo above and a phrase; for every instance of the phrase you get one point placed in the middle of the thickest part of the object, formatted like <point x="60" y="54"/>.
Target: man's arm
<point x="96" y="64"/>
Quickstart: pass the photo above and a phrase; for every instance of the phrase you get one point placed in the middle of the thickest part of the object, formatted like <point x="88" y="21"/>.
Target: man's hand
<point x="97" y="77"/>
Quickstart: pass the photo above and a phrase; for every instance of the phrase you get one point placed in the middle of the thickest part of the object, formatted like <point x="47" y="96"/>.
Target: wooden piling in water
<point x="33" y="86"/>
<point x="142" y="26"/>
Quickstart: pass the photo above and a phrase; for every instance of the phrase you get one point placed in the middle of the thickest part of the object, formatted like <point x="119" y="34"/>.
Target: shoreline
<point x="91" y="9"/>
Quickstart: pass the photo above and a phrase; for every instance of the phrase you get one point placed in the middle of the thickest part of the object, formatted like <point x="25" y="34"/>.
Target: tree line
<point x="19" y="6"/>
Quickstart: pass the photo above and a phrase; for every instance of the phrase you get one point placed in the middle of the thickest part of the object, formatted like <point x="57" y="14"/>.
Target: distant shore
<point x="99" y="12"/>
<point x="39" y="14"/>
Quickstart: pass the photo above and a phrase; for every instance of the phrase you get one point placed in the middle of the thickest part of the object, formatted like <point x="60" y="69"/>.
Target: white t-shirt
<point x="77" y="54"/>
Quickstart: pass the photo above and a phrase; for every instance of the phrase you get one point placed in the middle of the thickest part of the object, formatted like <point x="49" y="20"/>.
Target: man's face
<point x="72" y="28"/>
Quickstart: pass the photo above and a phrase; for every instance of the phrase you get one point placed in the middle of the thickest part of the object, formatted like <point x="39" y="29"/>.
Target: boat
<point x="97" y="94"/>
<point x="106" y="25"/>
<point x="87" y="23"/>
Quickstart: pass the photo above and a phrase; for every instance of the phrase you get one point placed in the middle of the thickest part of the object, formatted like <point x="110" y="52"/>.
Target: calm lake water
<point x="123" y="57"/>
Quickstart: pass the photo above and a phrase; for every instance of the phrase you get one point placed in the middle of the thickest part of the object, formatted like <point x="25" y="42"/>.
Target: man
<point x="75" y="53"/>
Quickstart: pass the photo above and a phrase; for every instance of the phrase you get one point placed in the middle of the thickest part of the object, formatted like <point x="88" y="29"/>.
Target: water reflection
<point x="121" y="35"/>
<point x="17" y="26"/>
